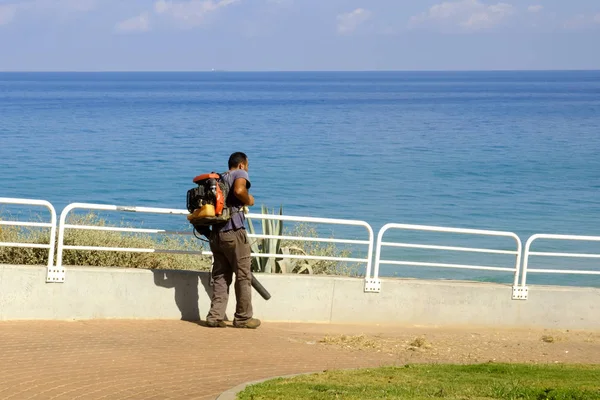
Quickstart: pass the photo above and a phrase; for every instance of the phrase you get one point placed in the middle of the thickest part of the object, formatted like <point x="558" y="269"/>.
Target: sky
<point x="297" y="35"/>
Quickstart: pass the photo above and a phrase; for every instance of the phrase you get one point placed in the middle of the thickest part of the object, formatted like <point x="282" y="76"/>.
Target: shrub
<point x="23" y="255"/>
<point x="125" y="259"/>
<point x="321" y="249"/>
<point x="78" y="237"/>
<point x="296" y="247"/>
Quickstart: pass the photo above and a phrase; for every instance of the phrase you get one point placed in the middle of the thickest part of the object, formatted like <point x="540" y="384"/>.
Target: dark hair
<point x="236" y="159"/>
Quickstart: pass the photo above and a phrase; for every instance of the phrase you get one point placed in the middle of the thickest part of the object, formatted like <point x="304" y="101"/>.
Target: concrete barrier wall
<point x="100" y="293"/>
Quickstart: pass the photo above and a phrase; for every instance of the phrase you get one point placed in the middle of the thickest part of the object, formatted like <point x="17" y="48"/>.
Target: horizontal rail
<point x="301" y="238"/>
<point x="208" y="253"/>
<point x="25" y="245"/>
<point x="564" y="237"/>
<point x="528" y="253"/>
<point x="115" y="229"/>
<point x="131" y="230"/>
<point x="431" y="228"/>
<point x="260" y="236"/>
<point x="571" y="255"/>
<point x="452" y="248"/>
<point x="152" y="210"/>
<point x="26" y="202"/>
<point x="314" y="220"/>
<point x="428" y="228"/>
<point x="564" y="271"/>
<point x="24" y="223"/>
<point x="308" y="257"/>
<point x="51" y="225"/>
<point x="136" y="250"/>
<point x="442" y="265"/>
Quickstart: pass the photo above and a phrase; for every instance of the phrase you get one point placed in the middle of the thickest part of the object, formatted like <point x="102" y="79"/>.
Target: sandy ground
<point x="410" y="344"/>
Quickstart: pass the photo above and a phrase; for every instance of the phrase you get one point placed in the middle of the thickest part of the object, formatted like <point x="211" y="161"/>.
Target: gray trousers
<point x="231" y="251"/>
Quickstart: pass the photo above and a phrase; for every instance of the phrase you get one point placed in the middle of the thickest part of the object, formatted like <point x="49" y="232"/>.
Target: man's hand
<point x="240" y="191"/>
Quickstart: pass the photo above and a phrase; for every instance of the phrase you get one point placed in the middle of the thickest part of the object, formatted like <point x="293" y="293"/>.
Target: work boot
<point x="252" y="323"/>
<point x="216" y="324"/>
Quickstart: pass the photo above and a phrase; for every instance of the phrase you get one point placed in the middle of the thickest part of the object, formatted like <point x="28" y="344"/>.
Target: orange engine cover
<point x="204" y="177"/>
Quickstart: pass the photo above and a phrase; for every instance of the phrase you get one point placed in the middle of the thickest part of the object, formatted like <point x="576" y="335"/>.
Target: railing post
<point x="373" y="285"/>
<point x="528" y="253"/>
<point x="519" y="292"/>
<point x="520" y="289"/>
<point x="50" y="269"/>
<point x="59" y="270"/>
<point x="53" y="274"/>
<point x="517" y="253"/>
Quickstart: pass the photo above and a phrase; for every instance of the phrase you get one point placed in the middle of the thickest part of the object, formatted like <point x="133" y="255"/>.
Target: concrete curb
<point x="185" y="295"/>
<point x="232" y="393"/>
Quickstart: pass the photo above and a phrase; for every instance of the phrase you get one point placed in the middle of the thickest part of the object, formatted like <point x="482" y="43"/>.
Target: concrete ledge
<point x="102" y="293"/>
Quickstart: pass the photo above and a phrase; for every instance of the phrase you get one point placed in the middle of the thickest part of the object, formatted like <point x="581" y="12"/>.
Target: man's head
<point x="238" y="160"/>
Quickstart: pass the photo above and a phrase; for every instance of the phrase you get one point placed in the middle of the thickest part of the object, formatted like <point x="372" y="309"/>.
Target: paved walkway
<point x="182" y="360"/>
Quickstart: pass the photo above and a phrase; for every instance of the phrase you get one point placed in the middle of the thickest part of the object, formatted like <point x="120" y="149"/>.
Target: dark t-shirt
<point x="238" y="218"/>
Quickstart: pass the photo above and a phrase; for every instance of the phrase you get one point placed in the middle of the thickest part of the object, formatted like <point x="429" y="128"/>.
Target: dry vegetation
<point x="129" y="259"/>
<point x="76" y="237"/>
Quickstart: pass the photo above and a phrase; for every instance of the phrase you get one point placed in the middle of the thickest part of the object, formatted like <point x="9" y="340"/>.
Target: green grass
<point x="416" y="382"/>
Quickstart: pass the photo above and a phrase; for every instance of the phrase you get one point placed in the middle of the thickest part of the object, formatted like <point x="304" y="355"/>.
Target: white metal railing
<point x="528" y="253"/>
<point x="63" y="225"/>
<point x="370" y="241"/>
<point x="56" y="273"/>
<point x="50" y="276"/>
<point x="102" y="207"/>
<point x="514" y="270"/>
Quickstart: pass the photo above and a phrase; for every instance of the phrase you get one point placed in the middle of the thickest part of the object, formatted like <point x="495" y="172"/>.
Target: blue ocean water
<point x="514" y="151"/>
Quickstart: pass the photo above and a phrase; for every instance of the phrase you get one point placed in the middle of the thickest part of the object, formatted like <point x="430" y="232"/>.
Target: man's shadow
<point x="186" y="285"/>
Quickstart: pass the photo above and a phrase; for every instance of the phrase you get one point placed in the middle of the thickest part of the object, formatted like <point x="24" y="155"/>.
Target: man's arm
<point x="240" y="191"/>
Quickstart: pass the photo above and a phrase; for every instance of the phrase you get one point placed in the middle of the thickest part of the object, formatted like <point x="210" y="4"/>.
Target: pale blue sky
<point x="92" y="35"/>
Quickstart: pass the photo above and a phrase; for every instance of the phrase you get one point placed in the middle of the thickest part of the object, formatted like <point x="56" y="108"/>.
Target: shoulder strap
<point x="222" y="175"/>
<point x="233" y="209"/>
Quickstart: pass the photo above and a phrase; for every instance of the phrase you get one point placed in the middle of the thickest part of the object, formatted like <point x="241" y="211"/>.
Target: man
<point x="231" y="251"/>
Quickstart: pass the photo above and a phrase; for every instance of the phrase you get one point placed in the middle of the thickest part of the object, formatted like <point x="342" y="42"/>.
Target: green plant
<point x="319" y="249"/>
<point x="282" y="265"/>
<point x="300" y="247"/>
<point x="266" y="245"/>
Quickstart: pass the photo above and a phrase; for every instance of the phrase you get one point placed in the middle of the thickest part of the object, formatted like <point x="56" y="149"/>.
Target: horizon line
<point x="300" y="71"/>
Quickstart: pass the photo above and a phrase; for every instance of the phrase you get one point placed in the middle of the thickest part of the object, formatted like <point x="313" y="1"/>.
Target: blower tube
<point x="255" y="283"/>
<point x="260" y="288"/>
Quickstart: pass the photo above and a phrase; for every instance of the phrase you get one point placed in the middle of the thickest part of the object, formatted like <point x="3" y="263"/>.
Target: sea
<point x="511" y="151"/>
